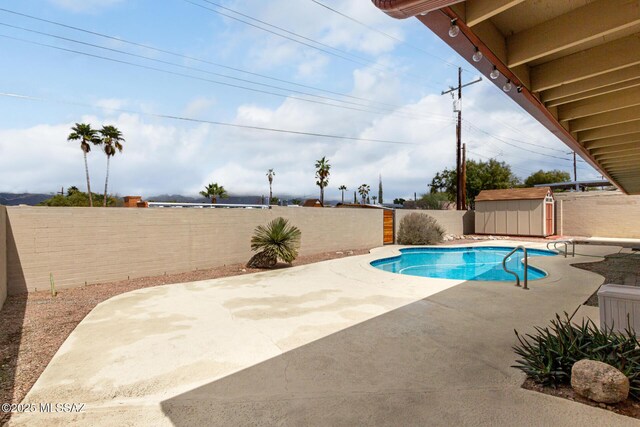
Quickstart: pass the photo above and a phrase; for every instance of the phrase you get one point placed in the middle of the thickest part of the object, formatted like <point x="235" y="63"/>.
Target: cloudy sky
<point x="379" y="79"/>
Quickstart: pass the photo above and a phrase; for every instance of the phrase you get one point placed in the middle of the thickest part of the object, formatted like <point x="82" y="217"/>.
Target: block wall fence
<point x="92" y="245"/>
<point x="3" y="255"/>
<point x="600" y="214"/>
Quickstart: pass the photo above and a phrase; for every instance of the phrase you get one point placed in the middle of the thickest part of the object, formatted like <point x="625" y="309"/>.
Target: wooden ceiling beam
<point x="609" y="131"/>
<point x="609" y="142"/>
<point x="616" y="148"/>
<point x="478" y="11"/>
<point x="599" y="104"/>
<point x="620" y="155"/>
<point x="592" y="83"/>
<point x="595" y="92"/>
<point x="591" y="62"/>
<point x="630" y="161"/>
<point x="572" y="29"/>
<point x="623" y="115"/>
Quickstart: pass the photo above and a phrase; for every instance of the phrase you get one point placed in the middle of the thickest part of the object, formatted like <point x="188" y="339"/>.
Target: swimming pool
<point x="465" y="263"/>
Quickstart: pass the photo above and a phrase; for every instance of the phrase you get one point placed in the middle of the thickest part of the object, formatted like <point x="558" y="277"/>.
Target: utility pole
<point x="464" y="176"/>
<point x="575" y="172"/>
<point x="460" y="202"/>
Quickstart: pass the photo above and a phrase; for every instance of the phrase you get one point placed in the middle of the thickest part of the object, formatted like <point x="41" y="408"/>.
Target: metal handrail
<point x="566" y="246"/>
<point x="526" y="266"/>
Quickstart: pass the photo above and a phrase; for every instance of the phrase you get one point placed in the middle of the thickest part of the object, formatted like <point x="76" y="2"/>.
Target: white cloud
<point x="198" y="106"/>
<point x="90" y="6"/>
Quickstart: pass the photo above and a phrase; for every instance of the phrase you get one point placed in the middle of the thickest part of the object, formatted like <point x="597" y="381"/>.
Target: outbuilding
<point x="516" y="212"/>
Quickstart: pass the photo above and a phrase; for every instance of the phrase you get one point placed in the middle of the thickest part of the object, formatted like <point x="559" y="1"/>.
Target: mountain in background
<point x="32" y="199"/>
<point x="13" y="199"/>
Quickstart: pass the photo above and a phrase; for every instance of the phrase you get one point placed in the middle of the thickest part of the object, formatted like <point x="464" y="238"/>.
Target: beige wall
<point x="454" y="222"/>
<point x="83" y="245"/>
<point x="599" y="214"/>
<point x="510" y="217"/>
<point x="3" y="255"/>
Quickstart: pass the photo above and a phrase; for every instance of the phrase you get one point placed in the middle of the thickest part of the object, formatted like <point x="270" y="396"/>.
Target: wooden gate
<point x="388" y="227"/>
<point x="549" y="231"/>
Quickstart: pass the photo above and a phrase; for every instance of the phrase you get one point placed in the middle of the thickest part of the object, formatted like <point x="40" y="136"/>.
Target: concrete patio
<point x="332" y="343"/>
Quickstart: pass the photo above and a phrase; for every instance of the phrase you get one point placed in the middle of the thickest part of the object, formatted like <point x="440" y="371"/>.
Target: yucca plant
<point x="276" y="240"/>
<point x="548" y="355"/>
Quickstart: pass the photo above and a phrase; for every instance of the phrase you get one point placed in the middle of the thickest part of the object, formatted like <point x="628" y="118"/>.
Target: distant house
<point x="312" y="203"/>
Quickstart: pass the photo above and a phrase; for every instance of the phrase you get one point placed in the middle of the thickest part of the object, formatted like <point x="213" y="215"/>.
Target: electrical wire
<point x="392" y="37"/>
<point x="211" y="122"/>
<point x="350" y="57"/>
<point x="147" y="67"/>
<point x="193" y="58"/>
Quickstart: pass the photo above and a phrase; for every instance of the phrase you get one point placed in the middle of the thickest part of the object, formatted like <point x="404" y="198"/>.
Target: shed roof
<point x="535" y="193"/>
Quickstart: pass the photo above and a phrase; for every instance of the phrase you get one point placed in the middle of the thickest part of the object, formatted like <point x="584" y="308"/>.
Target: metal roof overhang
<point x="576" y="65"/>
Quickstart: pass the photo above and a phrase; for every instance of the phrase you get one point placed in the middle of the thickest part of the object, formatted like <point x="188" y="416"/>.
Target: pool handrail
<point x="526" y="266"/>
<point x="566" y="246"/>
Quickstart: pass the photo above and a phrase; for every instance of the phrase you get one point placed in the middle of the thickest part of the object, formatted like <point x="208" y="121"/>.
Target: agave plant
<point x="548" y="355"/>
<point x="276" y="240"/>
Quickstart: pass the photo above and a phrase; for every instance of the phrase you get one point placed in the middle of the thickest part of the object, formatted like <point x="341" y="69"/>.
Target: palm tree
<point x="363" y="190"/>
<point x="342" y="188"/>
<point x="112" y="141"/>
<point x="322" y="176"/>
<point x="214" y="191"/>
<point x="270" y="175"/>
<point x="374" y="198"/>
<point x="85" y="134"/>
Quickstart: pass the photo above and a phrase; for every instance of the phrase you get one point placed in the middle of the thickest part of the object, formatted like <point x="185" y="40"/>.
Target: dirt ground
<point x="622" y="269"/>
<point x="629" y="407"/>
<point x="35" y="325"/>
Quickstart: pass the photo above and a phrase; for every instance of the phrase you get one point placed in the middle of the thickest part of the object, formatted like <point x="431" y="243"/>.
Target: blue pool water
<point x="477" y="263"/>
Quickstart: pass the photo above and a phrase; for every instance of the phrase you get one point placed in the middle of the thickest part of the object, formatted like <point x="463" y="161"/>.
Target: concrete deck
<point x="332" y="343"/>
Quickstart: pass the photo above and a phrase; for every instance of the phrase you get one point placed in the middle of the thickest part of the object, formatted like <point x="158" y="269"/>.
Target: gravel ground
<point x="35" y="325"/>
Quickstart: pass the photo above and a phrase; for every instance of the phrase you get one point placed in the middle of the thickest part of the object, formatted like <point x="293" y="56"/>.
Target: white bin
<point x="617" y="304"/>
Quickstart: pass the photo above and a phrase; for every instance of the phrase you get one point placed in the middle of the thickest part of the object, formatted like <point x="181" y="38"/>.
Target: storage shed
<point x="516" y="212"/>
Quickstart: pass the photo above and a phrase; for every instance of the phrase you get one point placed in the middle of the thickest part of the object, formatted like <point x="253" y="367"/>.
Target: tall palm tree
<point x="270" y="175"/>
<point x="214" y="191"/>
<point x="86" y="135"/>
<point x="342" y="188"/>
<point x="112" y="142"/>
<point x="363" y="190"/>
<point x="322" y="176"/>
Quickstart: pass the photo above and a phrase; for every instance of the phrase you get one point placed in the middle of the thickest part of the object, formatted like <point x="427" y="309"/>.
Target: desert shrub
<point x="276" y="240"/>
<point x="419" y="229"/>
<point x="548" y="355"/>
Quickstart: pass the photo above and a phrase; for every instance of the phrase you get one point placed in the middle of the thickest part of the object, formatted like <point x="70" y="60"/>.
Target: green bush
<point x="78" y="199"/>
<point x="548" y="355"/>
<point x="419" y="229"/>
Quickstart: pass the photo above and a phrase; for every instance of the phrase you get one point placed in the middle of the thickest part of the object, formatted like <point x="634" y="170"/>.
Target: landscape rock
<point x="599" y="381"/>
<point x="262" y="259"/>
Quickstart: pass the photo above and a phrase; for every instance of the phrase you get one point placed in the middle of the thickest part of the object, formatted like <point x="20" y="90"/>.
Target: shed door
<point x="387" y="227"/>
<point x="549" y="219"/>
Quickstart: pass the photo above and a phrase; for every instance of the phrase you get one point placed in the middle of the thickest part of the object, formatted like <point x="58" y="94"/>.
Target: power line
<point x="211" y="122"/>
<point x="147" y="67"/>
<point x="390" y="36"/>
<point x="358" y="59"/>
<point x="168" y="52"/>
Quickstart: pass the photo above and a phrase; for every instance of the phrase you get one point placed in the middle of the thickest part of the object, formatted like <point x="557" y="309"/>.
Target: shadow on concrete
<point x="409" y="366"/>
<point x="11" y="324"/>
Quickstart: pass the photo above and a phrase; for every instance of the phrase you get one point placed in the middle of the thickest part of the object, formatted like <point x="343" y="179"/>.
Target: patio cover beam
<point x="613" y="141"/>
<point x="586" y="85"/>
<point x="595" y="92"/>
<point x="623" y="115"/>
<point x="616" y="148"/>
<point x="620" y="155"/>
<point x="478" y="11"/>
<point x="591" y="62"/>
<point x="600" y="104"/>
<point x="609" y="131"/>
<point x="552" y="36"/>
